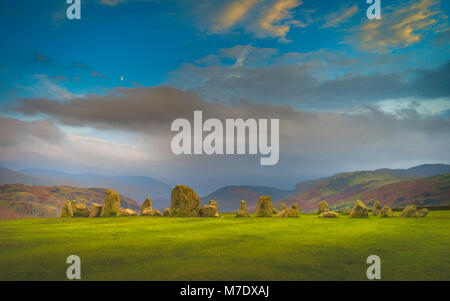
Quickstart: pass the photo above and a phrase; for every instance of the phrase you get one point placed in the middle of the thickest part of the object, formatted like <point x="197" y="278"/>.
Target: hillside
<point x="342" y="190"/>
<point x="18" y="200"/>
<point x="420" y="171"/>
<point x="135" y="187"/>
<point x="229" y="197"/>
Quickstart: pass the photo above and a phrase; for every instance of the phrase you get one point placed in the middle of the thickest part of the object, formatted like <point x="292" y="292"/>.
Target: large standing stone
<point x="146" y="209"/>
<point x="329" y="214"/>
<point x="264" y="207"/>
<point x="376" y="209"/>
<point x="95" y="210"/>
<point x="288" y="212"/>
<point x="283" y="206"/>
<point x="80" y="210"/>
<point x="386" y="212"/>
<point x="184" y="201"/>
<point x="111" y="204"/>
<point x="408" y="211"/>
<point x="242" y="210"/>
<point x="359" y="210"/>
<point x="67" y="210"/>
<point x="209" y="211"/>
<point x="322" y="207"/>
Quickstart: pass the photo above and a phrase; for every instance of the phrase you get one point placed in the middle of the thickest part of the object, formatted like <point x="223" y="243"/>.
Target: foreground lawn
<point x="227" y="248"/>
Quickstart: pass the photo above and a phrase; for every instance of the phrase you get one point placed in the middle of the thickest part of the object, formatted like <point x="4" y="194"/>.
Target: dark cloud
<point x="14" y="131"/>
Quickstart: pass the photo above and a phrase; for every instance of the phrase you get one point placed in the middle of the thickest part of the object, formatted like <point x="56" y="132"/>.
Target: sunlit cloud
<point x="233" y="13"/>
<point x="335" y="19"/>
<point x="402" y="27"/>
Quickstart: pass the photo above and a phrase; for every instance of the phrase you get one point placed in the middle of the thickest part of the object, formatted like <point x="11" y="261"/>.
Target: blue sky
<point x="312" y="57"/>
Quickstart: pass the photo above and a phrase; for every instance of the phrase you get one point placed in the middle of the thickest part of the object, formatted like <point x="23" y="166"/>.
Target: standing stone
<point x="386" y="212"/>
<point x="288" y="212"/>
<point x="111" y="204"/>
<point x="129" y="212"/>
<point x="80" y="210"/>
<point x="166" y="212"/>
<point x="421" y="213"/>
<point x="376" y="209"/>
<point x="408" y="211"/>
<point x="184" y="201"/>
<point x="359" y="210"/>
<point x="296" y="206"/>
<point x="242" y="210"/>
<point x="322" y="207"/>
<point x="283" y="206"/>
<point x="146" y="209"/>
<point x="214" y="203"/>
<point x="67" y="210"/>
<point x="157" y="213"/>
<point x="95" y="210"/>
<point x="209" y="211"/>
<point x="264" y="207"/>
<point x="329" y="214"/>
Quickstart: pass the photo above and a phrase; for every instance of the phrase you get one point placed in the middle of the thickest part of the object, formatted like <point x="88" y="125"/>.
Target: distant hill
<point x="135" y="187"/>
<point x="421" y="171"/>
<point x="19" y="200"/>
<point x="390" y="188"/>
<point x="229" y="197"/>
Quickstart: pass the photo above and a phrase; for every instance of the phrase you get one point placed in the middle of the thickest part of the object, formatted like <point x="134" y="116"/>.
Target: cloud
<point x="15" y="132"/>
<point x="97" y="74"/>
<point x="232" y="13"/>
<point x="311" y="143"/>
<point x="335" y="19"/>
<point x="40" y="57"/>
<point x="315" y="80"/>
<point x="277" y="20"/>
<point x="401" y="26"/>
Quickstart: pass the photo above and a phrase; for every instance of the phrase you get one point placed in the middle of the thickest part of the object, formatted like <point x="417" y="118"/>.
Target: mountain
<point x="19" y="200"/>
<point x="395" y="188"/>
<point x="8" y="176"/>
<point x="136" y="187"/>
<point x="229" y="197"/>
<point x="421" y="171"/>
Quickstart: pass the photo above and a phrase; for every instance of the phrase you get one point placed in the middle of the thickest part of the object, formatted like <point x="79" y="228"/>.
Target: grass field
<point x="228" y="248"/>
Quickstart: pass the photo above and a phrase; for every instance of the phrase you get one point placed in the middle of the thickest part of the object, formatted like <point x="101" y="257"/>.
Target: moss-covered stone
<point x="288" y="212"/>
<point x="129" y="212"/>
<point x="209" y="211"/>
<point x="408" y="211"/>
<point x="386" y="212"/>
<point x="157" y="213"/>
<point x="421" y="213"/>
<point x="322" y="207"/>
<point x="242" y="210"/>
<point x="166" y="212"/>
<point x="80" y="210"/>
<point x="359" y="210"/>
<point x="146" y="209"/>
<point x="376" y="209"/>
<point x="296" y="206"/>
<point x="67" y="210"/>
<point x="214" y="203"/>
<point x="95" y="210"/>
<point x="283" y="206"/>
<point x="329" y="214"/>
<point x="111" y="204"/>
<point x="184" y="201"/>
<point x="264" y="207"/>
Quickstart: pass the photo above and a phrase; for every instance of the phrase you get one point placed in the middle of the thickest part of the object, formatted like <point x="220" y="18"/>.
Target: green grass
<point x="158" y="248"/>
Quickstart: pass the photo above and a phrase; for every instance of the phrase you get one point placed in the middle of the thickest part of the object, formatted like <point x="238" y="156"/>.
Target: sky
<point x="99" y="94"/>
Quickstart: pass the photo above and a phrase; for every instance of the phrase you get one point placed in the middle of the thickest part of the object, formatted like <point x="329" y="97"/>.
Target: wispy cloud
<point x="277" y="20"/>
<point x="233" y="13"/>
<point x="334" y="19"/>
<point x="402" y="26"/>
